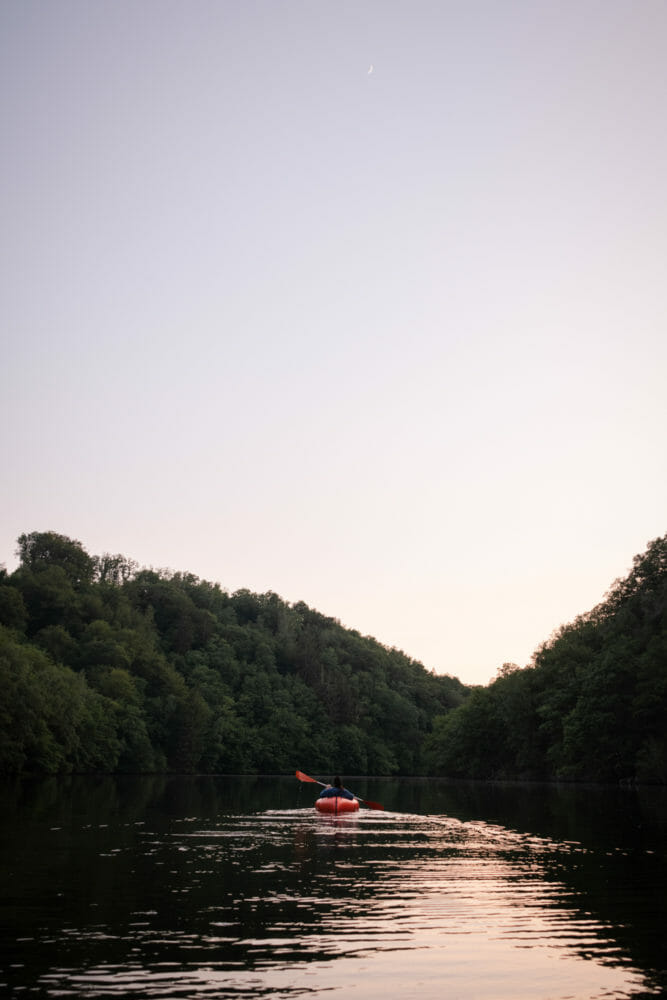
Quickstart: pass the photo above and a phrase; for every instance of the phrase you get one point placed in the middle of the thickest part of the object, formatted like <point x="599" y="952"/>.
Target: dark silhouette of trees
<point x="591" y="707"/>
<point x="108" y="667"/>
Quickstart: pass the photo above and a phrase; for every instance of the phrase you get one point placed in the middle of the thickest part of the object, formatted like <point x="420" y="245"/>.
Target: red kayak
<point x="336" y="804"/>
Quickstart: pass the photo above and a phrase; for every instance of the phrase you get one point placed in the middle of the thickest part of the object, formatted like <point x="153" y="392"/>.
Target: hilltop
<point x="108" y="667"/>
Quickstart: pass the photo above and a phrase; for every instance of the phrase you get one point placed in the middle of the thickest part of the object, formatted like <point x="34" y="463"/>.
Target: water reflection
<point x="238" y="888"/>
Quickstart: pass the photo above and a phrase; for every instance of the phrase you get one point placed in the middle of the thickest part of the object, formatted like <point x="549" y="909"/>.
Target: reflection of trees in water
<point x="619" y="874"/>
<point x="131" y="798"/>
<point x="235" y="870"/>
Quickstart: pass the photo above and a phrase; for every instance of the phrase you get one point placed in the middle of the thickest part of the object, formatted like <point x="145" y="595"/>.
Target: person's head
<point x="337" y="783"/>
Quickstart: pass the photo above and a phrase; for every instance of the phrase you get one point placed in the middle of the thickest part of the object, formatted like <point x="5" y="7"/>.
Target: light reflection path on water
<point x="290" y="903"/>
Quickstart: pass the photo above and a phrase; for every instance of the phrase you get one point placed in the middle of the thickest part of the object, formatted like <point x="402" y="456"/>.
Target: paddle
<point x="305" y="777"/>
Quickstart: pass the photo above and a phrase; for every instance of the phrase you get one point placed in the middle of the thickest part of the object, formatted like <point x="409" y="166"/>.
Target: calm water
<point x="236" y="888"/>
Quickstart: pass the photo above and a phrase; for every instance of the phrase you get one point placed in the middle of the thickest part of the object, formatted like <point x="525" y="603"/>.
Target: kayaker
<point x="336" y="788"/>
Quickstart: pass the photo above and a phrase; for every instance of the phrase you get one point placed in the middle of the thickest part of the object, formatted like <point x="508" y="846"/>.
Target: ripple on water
<point x="287" y="903"/>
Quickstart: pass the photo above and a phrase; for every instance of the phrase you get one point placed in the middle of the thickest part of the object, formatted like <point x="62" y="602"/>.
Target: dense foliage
<point x="108" y="667"/>
<point x="592" y="705"/>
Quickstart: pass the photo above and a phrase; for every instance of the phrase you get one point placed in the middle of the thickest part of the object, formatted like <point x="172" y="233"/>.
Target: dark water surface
<point x="219" y="887"/>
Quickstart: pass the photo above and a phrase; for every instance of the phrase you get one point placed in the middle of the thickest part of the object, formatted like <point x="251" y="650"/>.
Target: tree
<point x="114" y="667"/>
<point x="41" y="549"/>
<point x="13" y="612"/>
<point x="114" y="570"/>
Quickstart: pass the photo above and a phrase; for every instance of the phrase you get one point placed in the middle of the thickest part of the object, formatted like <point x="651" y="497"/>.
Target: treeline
<point x="111" y="668"/>
<point x="591" y="707"/>
<point x="106" y="667"/>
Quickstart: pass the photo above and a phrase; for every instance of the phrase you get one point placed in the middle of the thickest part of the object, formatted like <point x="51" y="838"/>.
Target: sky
<point x="362" y="303"/>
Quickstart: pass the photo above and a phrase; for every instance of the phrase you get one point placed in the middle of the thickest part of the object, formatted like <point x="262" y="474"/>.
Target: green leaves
<point x="42" y="549"/>
<point x="117" y="668"/>
<point x="592" y="707"/>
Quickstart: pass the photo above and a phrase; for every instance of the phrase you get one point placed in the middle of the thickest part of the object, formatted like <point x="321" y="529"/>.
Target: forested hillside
<point x="108" y="667"/>
<point x="592" y="705"/>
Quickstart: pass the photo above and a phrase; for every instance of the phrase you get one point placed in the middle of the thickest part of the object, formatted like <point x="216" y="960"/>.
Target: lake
<point x="220" y="887"/>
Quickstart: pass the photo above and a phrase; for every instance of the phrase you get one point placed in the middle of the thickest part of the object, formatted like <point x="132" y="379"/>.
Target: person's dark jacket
<point x="332" y="790"/>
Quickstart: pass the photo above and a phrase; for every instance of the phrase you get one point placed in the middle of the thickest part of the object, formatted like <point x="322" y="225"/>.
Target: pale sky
<point x="390" y="343"/>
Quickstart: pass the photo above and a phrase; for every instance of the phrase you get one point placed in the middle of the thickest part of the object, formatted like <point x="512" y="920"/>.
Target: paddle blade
<point x="304" y="777"/>
<point x="372" y="805"/>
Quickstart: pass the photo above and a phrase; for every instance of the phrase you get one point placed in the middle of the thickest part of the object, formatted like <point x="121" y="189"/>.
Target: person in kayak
<point x="336" y="788"/>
